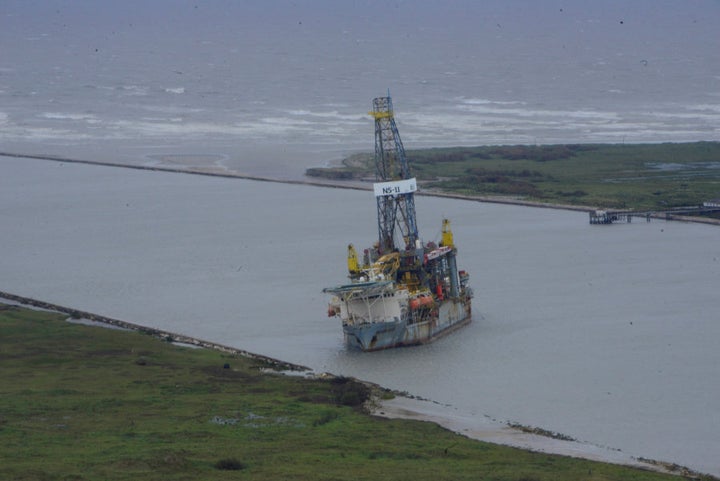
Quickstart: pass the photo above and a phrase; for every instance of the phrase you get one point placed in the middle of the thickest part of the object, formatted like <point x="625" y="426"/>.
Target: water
<point x="605" y="333"/>
<point x="271" y="89"/>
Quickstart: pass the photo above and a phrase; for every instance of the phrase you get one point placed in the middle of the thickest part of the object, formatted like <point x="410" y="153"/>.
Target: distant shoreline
<point x="352" y="185"/>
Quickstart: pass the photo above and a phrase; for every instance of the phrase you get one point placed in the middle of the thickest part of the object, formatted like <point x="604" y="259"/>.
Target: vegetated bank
<point x="82" y="402"/>
<point x="583" y="177"/>
<point x="619" y="176"/>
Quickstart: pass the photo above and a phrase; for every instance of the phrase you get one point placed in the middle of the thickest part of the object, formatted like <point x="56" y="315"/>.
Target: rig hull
<point x="376" y="336"/>
<point x="383" y="314"/>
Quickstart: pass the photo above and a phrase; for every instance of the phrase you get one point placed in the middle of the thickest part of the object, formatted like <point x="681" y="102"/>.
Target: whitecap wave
<point x="135" y="90"/>
<point x="67" y="116"/>
<point x="36" y="134"/>
<point x="478" y="101"/>
<point x="704" y="107"/>
<point x="330" y="115"/>
<point x="529" y="112"/>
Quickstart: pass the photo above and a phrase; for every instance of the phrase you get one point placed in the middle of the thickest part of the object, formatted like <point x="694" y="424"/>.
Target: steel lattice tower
<point x="395" y="200"/>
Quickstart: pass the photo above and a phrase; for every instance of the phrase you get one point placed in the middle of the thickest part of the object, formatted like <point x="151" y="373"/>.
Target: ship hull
<point x="375" y="336"/>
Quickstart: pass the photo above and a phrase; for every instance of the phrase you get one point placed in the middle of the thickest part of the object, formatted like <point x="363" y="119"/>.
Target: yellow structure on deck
<point x="386" y="267"/>
<point x="447" y="235"/>
<point x="353" y="266"/>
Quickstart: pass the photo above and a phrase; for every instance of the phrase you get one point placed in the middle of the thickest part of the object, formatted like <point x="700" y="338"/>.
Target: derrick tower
<point x="394" y="187"/>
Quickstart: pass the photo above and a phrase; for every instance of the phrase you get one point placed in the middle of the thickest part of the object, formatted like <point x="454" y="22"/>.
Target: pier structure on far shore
<point x="610" y="216"/>
<point x="599" y="217"/>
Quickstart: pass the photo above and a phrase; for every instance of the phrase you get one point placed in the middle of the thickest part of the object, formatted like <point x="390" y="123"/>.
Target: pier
<point x="610" y="216"/>
<point x="598" y="217"/>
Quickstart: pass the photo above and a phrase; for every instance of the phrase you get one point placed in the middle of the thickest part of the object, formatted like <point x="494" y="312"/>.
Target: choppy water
<point x="271" y="88"/>
<point x="605" y="333"/>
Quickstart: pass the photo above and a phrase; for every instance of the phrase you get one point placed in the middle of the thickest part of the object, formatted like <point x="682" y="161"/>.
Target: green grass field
<point x="90" y="403"/>
<point x="632" y="176"/>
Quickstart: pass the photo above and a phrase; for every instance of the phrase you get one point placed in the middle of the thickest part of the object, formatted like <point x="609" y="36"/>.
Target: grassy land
<point x="634" y="176"/>
<point x="80" y="402"/>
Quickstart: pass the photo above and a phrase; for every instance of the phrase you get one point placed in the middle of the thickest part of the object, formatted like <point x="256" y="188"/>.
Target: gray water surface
<point x="607" y="334"/>
<point x="271" y="88"/>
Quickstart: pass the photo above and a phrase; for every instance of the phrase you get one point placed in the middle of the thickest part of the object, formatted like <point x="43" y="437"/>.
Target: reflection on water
<point x="605" y="333"/>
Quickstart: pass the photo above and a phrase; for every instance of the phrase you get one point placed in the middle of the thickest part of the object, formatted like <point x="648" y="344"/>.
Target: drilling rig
<point x="404" y="293"/>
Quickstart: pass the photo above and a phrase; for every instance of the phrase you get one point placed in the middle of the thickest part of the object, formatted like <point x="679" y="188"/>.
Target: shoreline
<point x="402" y="405"/>
<point x="352" y="185"/>
<point x="484" y="428"/>
<point x="151" y="331"/>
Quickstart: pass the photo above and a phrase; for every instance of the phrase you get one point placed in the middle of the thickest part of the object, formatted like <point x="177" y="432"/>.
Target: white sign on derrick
<point x="395" y="187"/>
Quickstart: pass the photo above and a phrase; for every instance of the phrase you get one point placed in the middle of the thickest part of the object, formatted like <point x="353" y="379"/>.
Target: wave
<point x="67" y="116"/>
<point x="334" y="115"/>
<point x="135" y="90"/>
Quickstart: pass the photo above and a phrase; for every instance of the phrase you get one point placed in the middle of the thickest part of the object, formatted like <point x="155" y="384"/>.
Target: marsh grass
<point x="75" y="404"/>
<point x="633" y="176"/>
